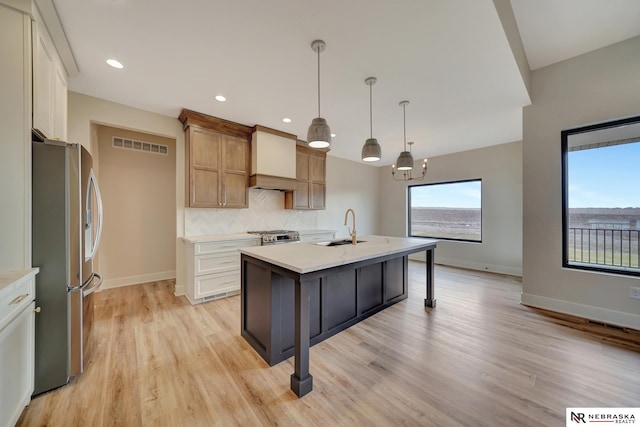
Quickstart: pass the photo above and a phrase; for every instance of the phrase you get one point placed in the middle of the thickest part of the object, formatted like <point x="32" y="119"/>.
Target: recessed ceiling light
<point x="115" y="63"/>
<point x="286" y="120"/>
<point x="333" y="135"/>
<point x="220" y="98"/>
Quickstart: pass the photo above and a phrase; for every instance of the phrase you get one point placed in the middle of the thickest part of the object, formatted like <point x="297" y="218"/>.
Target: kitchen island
<point x="298" y="294"/>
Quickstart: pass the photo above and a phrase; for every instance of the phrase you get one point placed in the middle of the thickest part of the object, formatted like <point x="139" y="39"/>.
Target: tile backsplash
<point x="266" y="212"/>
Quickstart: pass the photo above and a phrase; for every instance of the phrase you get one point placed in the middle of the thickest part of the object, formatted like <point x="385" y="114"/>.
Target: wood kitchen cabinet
<point x="311" y="180"/>
<point x="217" y="162"/>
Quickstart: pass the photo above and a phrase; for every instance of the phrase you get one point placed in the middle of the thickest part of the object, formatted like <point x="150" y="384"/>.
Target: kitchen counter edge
<point x="308" y="257"/>
<point x="9" y="277"/>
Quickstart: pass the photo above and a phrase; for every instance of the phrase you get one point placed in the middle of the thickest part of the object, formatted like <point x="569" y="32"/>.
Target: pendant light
<point x="405" y="159"/>
<point x="319" y="134"/>
<point x="371" y="150"/>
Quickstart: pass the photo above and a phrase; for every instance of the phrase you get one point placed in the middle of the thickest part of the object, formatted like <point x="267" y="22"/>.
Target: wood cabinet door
<point x="204" y="168"/>
<point x="317" y="169"/>
<point x="302" y="195"/>
<point x="318" y="196"/>
<point x="235" y="172"/>
<point x="317" y="184"/>
<point x="302" y="165"/>
<point x="205" y="149"/>
<point x="236" y="154"/>
<point x="235" y="191"/>
<point x="204" y="189"/>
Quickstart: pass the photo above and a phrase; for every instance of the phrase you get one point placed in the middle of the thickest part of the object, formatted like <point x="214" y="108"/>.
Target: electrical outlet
<point x="634" y="292"/>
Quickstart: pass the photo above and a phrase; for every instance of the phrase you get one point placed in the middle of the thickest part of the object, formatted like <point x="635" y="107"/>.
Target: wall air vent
<point x="132" y="144"/>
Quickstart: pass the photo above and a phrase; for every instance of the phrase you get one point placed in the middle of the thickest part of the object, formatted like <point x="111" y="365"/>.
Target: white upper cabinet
<point x="49" y="86"/>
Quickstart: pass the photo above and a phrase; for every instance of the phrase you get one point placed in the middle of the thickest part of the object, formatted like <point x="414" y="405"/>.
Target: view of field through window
<point x="451" y="210"/>
<point x="603" y="205"/>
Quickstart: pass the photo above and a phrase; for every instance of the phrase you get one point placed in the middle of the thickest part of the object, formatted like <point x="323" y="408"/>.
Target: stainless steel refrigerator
<point x="66" y="228"/>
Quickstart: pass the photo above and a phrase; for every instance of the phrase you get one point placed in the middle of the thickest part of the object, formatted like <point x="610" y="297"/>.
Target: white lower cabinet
<point x="213" y="266"/>
<point x="17" y="342"/>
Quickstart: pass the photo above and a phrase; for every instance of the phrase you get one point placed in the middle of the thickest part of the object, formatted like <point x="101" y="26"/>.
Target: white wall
<point x="597" y="86"/>
<point x="500" y="168"/>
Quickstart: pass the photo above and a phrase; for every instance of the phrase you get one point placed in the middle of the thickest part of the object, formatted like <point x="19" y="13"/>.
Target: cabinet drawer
<point x="217" y="262"/>
<point x="217" y="283"/>
<point x="14" y="298"/>
<point x="223" y="246"/>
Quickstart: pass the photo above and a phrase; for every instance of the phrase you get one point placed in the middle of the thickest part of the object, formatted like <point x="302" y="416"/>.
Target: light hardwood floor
<point x="478" y="359"/>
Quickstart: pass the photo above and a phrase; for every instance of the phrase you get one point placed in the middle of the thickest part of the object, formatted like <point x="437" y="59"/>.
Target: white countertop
<point x="8" y="278"/>
<point x="308" y="257"/>
<point x="220" y="237"/>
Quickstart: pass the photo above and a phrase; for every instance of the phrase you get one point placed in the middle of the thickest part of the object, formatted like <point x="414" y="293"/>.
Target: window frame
<point x="564" y="145"/>
<point x="409" y="223"/>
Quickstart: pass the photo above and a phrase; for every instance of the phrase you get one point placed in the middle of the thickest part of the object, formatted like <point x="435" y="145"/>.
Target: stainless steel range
<point x="273" y="237"/>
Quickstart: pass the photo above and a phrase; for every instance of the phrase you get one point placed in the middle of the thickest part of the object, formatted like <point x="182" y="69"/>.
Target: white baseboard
<point x="618" y="318"/>
<point x="179" y="289"/>
<point x="502" y="269"/>
<point x="134" y="280"/>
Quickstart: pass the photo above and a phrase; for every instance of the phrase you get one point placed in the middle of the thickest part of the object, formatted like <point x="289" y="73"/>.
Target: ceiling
<point x="451" y="59"/>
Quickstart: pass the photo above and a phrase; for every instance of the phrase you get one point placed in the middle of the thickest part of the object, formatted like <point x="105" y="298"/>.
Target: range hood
<point x="273" y="159"/>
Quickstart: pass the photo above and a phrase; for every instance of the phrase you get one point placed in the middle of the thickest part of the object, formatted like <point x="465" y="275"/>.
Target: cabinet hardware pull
<point x="17" y="299"/>
<point x="37" y="310"/>
<point x="228" y="282"/>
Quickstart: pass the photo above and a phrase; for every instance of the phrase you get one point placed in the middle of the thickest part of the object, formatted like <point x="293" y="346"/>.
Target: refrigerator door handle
<point x="91" y="289"/>
<point x="93" y="183"/>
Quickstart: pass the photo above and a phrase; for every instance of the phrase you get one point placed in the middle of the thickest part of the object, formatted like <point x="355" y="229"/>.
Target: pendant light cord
<point x="318" y="50"/>
<point x="371" y="109"/>
<point x="404" y="121"/>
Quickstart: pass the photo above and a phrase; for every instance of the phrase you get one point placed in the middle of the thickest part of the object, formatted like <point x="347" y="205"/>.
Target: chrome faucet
<point x="352" y="233"/>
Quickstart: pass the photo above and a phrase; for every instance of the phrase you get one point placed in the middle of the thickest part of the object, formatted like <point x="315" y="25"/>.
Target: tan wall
<point x="138" y="192"/>
<point x="597" y="86"/>
<point x="500" y="168"/>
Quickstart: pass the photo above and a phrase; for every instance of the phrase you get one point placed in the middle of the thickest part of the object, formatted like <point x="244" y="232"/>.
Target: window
<point x="448" y="210"/>
<point x="601" y="200"/>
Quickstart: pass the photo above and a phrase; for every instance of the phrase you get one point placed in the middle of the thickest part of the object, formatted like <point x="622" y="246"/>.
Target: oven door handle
<point x="91" y="289"/>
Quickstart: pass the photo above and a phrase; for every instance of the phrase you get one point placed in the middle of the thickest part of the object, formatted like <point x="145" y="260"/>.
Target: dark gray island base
<point x="284" y="311"/>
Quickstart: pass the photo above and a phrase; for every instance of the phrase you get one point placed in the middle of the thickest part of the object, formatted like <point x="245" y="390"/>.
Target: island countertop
<point x="308" y="257"/>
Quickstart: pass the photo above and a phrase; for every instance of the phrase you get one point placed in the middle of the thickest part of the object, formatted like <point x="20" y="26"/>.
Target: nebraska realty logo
<point x="581" y="416"/>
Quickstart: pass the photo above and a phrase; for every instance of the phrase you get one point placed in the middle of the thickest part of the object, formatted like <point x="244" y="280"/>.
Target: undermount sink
<point x="339" y="242"/>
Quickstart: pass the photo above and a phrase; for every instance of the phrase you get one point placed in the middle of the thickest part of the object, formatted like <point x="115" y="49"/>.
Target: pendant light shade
<point x="319" y="133"/>
<point x="405" y="161"/>
<point x="371" y="151"/>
